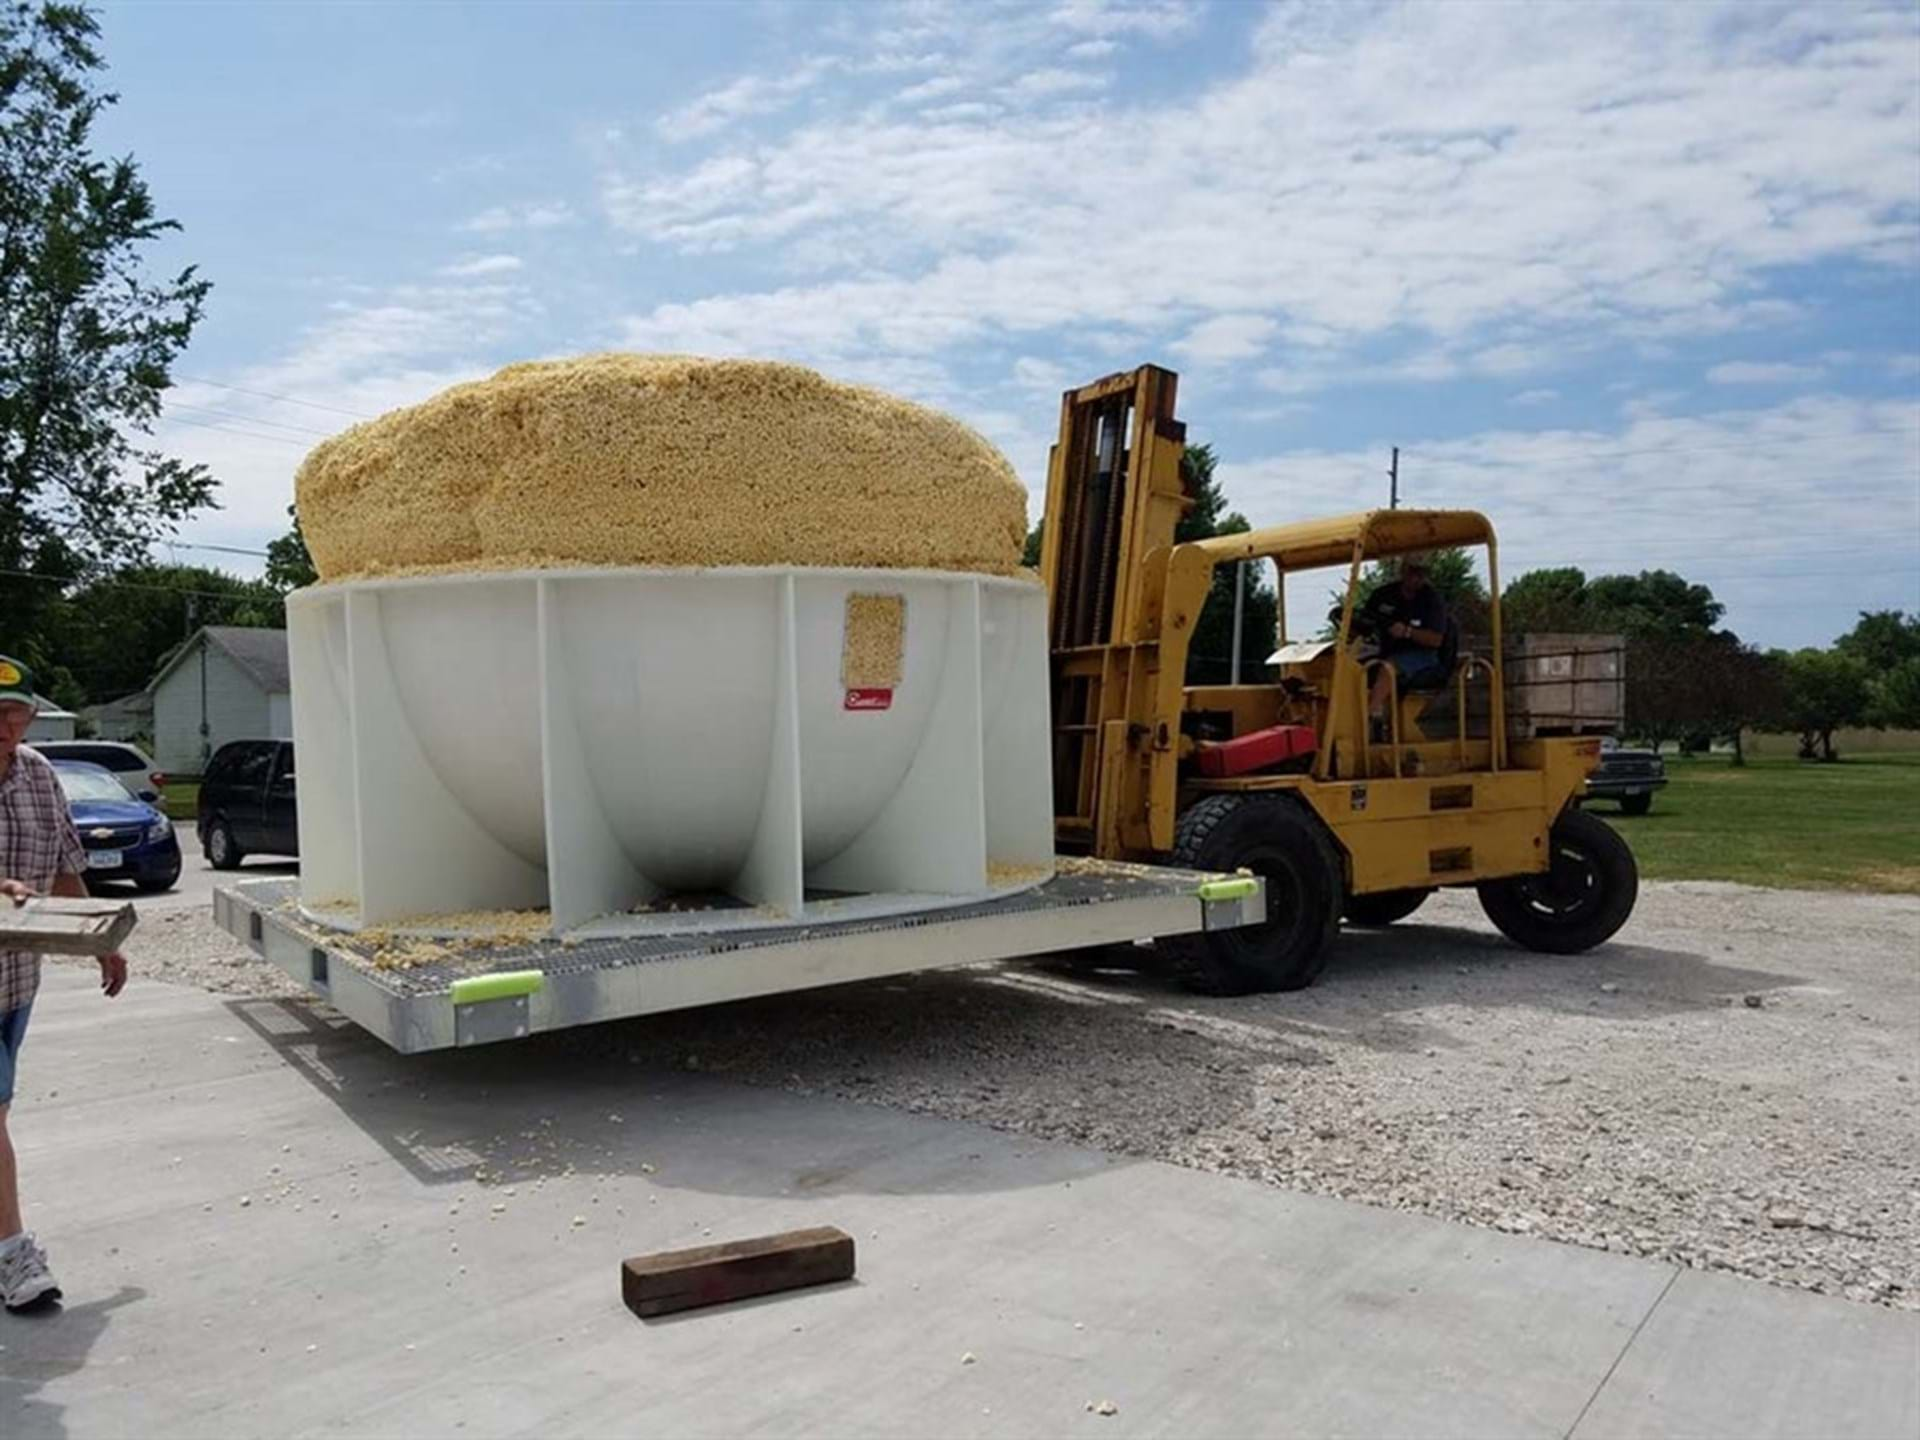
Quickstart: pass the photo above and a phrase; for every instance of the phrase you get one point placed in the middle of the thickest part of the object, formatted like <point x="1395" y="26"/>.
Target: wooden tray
<point x="57" y="925"/>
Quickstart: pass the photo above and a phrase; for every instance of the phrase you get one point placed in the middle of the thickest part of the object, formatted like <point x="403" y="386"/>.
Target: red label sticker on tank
<point x="869" y="700"/>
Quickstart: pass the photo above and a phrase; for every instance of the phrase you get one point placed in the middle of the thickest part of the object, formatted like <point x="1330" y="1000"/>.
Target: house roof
<point x="262" y="654"/>
<point x="49" y="711"/>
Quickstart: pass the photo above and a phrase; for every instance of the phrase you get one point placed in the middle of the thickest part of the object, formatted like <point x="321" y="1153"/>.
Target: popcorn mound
<point x="659" y="460"/>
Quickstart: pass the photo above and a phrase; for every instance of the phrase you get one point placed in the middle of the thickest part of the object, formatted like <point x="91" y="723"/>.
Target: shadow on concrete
<point x="785" y="1298"/>
<point x="585" y="1102"/>
<point x="688" y="1100"/>
<point x="46" y="1346"/>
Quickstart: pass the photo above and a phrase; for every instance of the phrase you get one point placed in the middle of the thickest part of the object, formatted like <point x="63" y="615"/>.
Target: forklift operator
<point x="1408" y="619"/>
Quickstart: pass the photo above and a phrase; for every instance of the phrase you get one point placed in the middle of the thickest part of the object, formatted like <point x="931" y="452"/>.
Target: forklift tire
<point x="1580" y="902"/>
<point x="1635" y="804"/>
<point x="1278" y="840"/>
<point x="1385" y="906"/>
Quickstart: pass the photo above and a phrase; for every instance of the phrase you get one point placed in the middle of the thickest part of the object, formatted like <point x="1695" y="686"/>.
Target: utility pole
<point x="1393" y="481"/>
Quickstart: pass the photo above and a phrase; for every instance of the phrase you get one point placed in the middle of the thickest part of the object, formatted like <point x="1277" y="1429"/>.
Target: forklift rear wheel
<point x="1385" y="906"/>
<point x="1280" y="842"/>
<point x="1586" y="894"/>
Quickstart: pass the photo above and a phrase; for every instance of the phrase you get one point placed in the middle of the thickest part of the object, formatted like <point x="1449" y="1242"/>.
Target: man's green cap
<point x="16" y="682"/>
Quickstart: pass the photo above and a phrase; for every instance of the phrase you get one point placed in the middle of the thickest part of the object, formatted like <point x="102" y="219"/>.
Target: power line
<point x="269" y="395"/>
<point x="174" y="405"/>
<point x="249" y="434"/>
<point x="111" y="584"/>
<point x="223" y="549"/>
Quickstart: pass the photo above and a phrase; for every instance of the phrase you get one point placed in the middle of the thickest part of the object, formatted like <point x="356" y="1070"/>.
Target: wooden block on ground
<point x="63" y="925"/>
<point x="714" y="1274"/>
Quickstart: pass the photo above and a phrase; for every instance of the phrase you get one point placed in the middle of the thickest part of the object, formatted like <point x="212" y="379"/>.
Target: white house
<point x="227" y="683"/>
<point x="128" y="718"/>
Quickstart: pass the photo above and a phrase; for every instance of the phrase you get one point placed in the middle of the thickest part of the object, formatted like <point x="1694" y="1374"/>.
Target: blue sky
<point x="1643" y="282"/>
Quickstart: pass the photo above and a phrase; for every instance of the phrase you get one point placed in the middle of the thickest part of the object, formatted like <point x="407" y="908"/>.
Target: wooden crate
<point x="1566" y="684"/>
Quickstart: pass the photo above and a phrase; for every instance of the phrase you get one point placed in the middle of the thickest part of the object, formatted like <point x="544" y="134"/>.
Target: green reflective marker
<point x="505" y="986"/>
<point x="1238" y="887"/>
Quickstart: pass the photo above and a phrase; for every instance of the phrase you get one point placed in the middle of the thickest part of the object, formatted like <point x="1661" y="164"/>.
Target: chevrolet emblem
<point x="101" y="834"/>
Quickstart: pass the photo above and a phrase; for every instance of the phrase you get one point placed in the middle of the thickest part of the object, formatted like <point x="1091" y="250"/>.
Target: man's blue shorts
<point x="13" y="1030"/>
<point x="1412" y="664"/>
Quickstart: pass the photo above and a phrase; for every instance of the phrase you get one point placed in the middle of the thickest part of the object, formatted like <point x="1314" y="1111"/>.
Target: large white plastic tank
<point x="637" y="749"/>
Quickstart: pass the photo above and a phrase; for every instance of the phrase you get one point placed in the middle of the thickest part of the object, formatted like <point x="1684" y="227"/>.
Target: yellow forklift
<point x="1289" y="778"/>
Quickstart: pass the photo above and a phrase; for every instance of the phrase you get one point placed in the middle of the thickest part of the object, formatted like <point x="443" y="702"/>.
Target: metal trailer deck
<point x="495" y="991"/>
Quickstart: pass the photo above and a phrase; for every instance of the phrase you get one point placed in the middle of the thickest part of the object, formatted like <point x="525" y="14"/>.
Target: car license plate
<point x="103" y="859"/>
<point x="1634" y="790"/>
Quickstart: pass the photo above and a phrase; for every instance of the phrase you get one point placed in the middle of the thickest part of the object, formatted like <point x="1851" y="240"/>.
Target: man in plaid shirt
<point x="40" y="853"/>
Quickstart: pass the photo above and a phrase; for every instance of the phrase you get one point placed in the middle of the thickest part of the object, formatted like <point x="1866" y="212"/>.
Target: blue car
<point x="126" y="839"/>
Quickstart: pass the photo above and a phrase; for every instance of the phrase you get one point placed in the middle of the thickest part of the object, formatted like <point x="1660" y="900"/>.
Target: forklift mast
<point x="1114" y="497"/>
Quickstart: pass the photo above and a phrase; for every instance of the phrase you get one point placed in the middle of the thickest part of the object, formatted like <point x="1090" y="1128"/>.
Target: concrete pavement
<point x="269" y="1224"/>
<point x="194" y="889"/>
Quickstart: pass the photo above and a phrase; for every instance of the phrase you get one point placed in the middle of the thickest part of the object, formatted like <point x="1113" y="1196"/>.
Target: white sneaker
<point x="25" y="1280"/>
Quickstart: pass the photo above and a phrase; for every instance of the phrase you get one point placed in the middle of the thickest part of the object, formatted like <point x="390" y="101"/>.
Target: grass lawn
<point x="1852" y="825"/>
<point x="181" y="799"/>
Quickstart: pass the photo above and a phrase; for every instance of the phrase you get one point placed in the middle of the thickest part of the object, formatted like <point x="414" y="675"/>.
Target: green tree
<point x="1654" y="602"/>
<point x="1882" y="638"/>
<point x="289" y="566"/>
<point x="1896" y="697"/>
<point x="86" y="339"/>
<point x="1547" y="602"/>
<point x="1887" y="642"/>
<point x="1826" y="690"/>
<point x="113" y="633"/>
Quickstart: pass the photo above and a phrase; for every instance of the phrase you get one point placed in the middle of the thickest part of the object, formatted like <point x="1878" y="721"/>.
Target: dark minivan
<point x="246" y="802"/>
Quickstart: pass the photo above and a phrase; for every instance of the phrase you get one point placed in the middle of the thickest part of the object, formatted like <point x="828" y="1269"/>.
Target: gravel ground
<point x="1734" y="1084"/>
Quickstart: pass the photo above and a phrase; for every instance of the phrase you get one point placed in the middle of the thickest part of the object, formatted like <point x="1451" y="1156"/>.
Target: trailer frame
<point x="505" y="991"/>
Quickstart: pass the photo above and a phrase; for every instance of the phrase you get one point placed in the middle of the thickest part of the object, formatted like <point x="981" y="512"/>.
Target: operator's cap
<point x="16" y="682"/>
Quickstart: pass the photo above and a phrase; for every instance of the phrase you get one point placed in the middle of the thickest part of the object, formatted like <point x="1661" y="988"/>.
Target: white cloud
<point x="747" y="96"/>
<point x="1748" y="372"/>
<point x="256" y="424"/>
<point x="480" y="266"/>
<point x="1092" y="49"/>
<point x="1156" y="19"/>
<point x="936" y="88"/>
<point x="546" y="215"/>
<point x="1057" y="81"/>
<point x="1602" y="174"/>
<point x="1508" y="359"/>
<point x="1535" y="397"/>
<point x="1037" y="374"/>
<point x="1225" y="338"/>
<point x="1904" y="365"/>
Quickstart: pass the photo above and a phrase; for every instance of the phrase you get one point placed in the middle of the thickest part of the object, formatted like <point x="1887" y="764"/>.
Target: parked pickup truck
<point x="1629" y="776"/>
